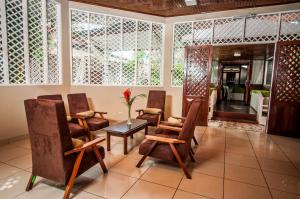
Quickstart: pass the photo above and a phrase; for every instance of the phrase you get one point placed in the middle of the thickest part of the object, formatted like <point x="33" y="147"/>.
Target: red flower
<point x="127" y="94"/>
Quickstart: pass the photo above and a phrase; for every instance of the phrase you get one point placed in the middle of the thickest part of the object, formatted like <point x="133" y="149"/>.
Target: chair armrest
<point x="172" y="128"/>
<point x="84" y="146"/>
<point x="164" y="139"/>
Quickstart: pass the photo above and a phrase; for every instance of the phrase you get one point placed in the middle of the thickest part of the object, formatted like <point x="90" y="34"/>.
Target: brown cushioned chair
<point x="78" y="103"/>
<point x="75" y="129"/>
<point x="53" y="154"/>
<point x="170" y="147"/>
<point x="156" y="99"/>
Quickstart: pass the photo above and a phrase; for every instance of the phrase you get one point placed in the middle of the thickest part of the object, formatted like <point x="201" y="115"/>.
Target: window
<point x="260" y="28"/>
<point x="115" y="51"/>
<point x="29" y="42"/>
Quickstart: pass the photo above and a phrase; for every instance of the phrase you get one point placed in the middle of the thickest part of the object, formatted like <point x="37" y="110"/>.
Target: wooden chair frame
<point x="171" y="142"/>
<point x="80" y="150"/>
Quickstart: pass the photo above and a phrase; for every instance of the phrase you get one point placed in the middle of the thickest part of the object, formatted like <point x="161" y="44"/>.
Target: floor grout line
<point x="261" y="170"/>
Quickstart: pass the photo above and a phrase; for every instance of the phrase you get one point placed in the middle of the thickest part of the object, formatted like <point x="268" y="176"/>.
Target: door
<point x="284" y="116"/>
<point x="197" y="80"/>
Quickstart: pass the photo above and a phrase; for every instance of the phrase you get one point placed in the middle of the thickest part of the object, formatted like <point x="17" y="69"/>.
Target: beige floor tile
<point x="281" y="167"/>
<point x="238" y="190"/>
<point x="111" y="185"/>
<point x="208" y="167"/>
<point x="244" y="174"/>
<point x="241" y="160"/>
<point x="204" y="185"/>
<point x="11" y="152"/>
<point x="23" y="162"/>
<point x="147" y="190"/>
<point x="283" y="182"/>
<point x="273" y="155"/>
<point x="6" y="170"/>
<point x="204" y="154"/>
<point x="239" y="149"/>
<point x="185" y="195"/>
<point x="163" y="174"/>
<point x="13" y="185"/>
<point x="283" y="195"/>
<point x="128" y="167"/>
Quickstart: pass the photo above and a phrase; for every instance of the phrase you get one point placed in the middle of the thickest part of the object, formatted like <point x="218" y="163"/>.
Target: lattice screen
<point x="32" y="42"/>
<point x="111" y="50"/>
<point x="263" y="28"/>
<point x="287" y="77"/>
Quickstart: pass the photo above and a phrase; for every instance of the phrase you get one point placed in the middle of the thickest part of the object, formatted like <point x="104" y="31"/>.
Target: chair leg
<point x="100" y="159"/>
<point x="73" y="175"/>
<point x="195" y="140"/>
<point x="181" y="164"/>
<point x="153" y="145"/>
<point x="192" y="151"/>
<point x="30" y="182"/>
<point x="192" y="157"/>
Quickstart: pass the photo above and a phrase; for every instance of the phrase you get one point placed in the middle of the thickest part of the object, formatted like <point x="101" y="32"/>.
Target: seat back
<point x="51" y="97"/>
<point x="189" y="125"/>
<point x="50" y="138"/>
<point x="78" y="103"/>
<point x="156" y="99"/>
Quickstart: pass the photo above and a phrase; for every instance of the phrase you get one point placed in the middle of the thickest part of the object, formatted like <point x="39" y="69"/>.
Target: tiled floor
<point x="230" y="163"/>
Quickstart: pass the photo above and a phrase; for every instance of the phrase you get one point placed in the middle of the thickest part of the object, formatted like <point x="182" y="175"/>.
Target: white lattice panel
<point x="261" y="28"/>
<point x="114" y="50"/>
<point x="80" y="47"/>
<point x="35" y="37"/>
<point x="228" y="30"/>
<point x="15" y="41"/>
<point x="143" y="53"/>
<point x="178" y="67"/>
<point x="156" y="54"/>
<point x="129" y="51"/>
<point x="203" y="32"/>
<point x="97" y="51"/>
<point x="290" y="26"/>
<point x="1" y="46"/>
<point x="183" y="34"/>
<point x="53" y="45"/>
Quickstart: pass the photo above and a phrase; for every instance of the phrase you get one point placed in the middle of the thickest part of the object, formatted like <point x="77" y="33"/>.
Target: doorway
<point x="241" y="77"/>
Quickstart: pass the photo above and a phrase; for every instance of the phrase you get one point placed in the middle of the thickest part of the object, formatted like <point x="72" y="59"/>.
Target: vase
<point x="129" y="116"/>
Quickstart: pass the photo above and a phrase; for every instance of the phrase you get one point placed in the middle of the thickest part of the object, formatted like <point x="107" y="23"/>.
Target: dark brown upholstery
<point x="163" y="150"/>
<point x="78" y="103"/>
<point x="50" y="140"/>
<point x="156" y="99"/>
<point x="75" y="129"/>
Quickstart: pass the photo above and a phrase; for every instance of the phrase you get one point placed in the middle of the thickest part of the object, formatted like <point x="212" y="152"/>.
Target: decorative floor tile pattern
<point x="233" y="160"/>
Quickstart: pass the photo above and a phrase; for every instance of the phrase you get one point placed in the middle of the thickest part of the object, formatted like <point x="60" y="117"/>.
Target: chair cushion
<point x="151" y="119"/>
<point x="152" y="110"/>
<point x="77" y="143"/>
<point x="163" y="150"/>
<point x="89" y="113"/>
<point x="96" y="123"/>
<point x="69" y="118"/>
<point x="167" y="132"/>
<point x="77" y="131"/>
<point x="180" y="124"/>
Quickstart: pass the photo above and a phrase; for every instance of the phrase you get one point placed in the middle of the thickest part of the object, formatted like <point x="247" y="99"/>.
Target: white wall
<point x="12" y="119"/>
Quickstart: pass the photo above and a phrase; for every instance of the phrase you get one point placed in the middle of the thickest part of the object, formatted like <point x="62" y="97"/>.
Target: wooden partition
<point x="197" y="80"/>
<point x="284" y="116"/>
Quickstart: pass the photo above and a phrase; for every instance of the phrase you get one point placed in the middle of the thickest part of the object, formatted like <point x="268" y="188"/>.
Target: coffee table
<point x="124" y="130"/>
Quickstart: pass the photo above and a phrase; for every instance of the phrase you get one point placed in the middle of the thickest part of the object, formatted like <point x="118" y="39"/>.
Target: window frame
<point x="99" y="12"/>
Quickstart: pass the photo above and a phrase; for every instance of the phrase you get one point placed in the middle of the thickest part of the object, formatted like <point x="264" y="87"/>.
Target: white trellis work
<point x="115" y="51"/>
<point x="29" y="42"/>
<point x="261" y="28"/>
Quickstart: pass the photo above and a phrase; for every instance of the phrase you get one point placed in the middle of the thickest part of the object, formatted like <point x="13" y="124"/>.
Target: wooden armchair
<point x="53" y="155"/>
<point x="80" y="110"/>
<point x="169" y="147"/>
<point x="76" y="130"/>
<point x="154" y="112"/>
<point x="167" y="127"/>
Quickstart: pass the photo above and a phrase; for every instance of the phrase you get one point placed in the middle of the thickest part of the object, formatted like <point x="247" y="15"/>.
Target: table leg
<point x="146" y="130"/>
<point x="108" y="141"/>
<point x="125" y="145"/>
